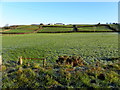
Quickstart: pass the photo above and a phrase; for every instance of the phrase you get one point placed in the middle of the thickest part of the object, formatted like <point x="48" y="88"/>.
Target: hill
<point x="25" y="29"/>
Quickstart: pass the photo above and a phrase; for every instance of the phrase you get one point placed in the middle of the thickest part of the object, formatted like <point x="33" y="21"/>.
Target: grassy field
<point x="89" y="46"/>
<point x="23" y="29"/>
<point x="28" y="27"/>
<point x="55" y="29"/>
<point x="18" y="31"/>
<point x="92" y="47"/>
<point x="60" y="28"/>
<point x="99" y="28"/>
<point x="114" y="26"/>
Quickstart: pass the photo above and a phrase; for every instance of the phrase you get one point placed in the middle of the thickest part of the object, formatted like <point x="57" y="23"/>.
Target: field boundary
<point x="41" y="27"/>
<point x="77" y="31"/>
<point x="107" y="26"/>
<point x="5" y="30"/>
<point x="35" y="31"/>
<point x="21" y="60"/>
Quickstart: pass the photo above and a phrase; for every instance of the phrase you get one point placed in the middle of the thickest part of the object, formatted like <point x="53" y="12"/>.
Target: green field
<point x="28" y="27"/>
<point x="55" y="29"/>
<point x="89" y="46"/>
<point x="99" y="28"/>
<point x="58" y="28"/>
<point x="18" y="31"/>
<point x="23" y="29"/>
<point x="92" y="47"/>
<point x="114" y="26"/>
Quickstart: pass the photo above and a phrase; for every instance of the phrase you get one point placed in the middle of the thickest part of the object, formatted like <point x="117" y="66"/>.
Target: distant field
<point x="114" y="26"/>
<point x="59" y="28"/>
<point x="55" y="29"/>
<point x="18" y="31"/>
<point x="23" y="29"/>
<point x="28" y="27"/>
<point x="99" y="28"/>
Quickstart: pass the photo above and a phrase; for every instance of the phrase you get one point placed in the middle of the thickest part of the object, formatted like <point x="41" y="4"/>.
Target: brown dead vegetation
<point x="68" y="60"/>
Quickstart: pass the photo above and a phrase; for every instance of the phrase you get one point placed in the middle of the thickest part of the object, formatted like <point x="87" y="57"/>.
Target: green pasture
<point x="99" y="53"/>
<point x="98" y="28"/>
<point x="55" y="29"/>
<point x="59" y="29"/>
<point x="18" y="31"/>
<point x="91" y="46"/>
<point x="23" y="29"/>
<point x="114" y="26"/>
<point x="28" y="27"/>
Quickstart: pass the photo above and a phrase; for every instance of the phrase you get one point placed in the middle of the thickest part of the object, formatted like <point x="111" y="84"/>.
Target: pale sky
<point x="58" y="12"/>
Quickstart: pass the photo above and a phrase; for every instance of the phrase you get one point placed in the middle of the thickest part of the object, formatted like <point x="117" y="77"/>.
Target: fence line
<point x="21" y="60"/>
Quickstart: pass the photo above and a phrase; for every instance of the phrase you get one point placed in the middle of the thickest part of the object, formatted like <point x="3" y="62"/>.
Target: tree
<point x="98" y="23"/>
<point x="6" y="26"/>
<point x="41" y="24"/>
<point x="75" y="28"/>
<point x="106" y="22"/>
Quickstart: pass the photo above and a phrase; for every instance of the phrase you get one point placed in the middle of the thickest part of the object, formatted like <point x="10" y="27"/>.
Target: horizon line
<point x="57" y="23"/>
